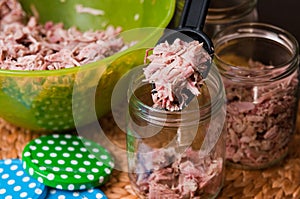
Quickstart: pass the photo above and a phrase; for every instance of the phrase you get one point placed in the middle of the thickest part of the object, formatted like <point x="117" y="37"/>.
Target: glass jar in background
<point x="179" y="154"/>
<point x="222" y="13"/>
<point x="259" y="64"/>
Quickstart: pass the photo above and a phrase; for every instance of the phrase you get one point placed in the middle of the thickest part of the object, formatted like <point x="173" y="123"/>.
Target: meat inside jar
<point x="260" y="118"/>
<point x="176" y="148"/>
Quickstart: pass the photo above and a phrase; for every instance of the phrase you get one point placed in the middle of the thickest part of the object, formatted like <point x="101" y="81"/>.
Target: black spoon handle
<point x="194" y="14"/>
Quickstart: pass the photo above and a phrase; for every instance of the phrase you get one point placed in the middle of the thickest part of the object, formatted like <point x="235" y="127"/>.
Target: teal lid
<point x="83" y="194"/>
<point x="15" y="183"/>
<point x="67" y="162"/>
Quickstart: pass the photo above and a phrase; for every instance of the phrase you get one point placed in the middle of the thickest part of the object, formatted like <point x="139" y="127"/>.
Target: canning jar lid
<point x="90" y="193"/>
<point x="16" y="183"/>
<point x="67" y="162"/>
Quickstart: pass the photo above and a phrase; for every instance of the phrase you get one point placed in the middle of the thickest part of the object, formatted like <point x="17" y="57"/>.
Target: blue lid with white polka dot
<point x="85" y="194"/>
<point x="67" y="162"/>
<point x="15" y="183"/>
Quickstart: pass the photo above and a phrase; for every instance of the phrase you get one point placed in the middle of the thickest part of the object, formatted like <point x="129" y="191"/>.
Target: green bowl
<point x="49" y="100"/>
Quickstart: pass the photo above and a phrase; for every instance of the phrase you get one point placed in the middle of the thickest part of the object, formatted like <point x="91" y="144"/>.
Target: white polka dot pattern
<point x="15" y="183"/>
<point x="67" y="162"/>
<point x="90" y="193"/>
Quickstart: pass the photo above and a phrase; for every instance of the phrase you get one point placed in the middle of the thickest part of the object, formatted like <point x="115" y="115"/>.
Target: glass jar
<point x="222" y="14"/>
<point x="226" y="13"/>
<point x="259" y="64"/>
<point x="176" y="154"/>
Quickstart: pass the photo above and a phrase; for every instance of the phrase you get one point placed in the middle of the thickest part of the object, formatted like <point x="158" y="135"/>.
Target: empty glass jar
<point x="176" y="154"/>
<point x="259" y="64"/>
<point x="222" y="13"/>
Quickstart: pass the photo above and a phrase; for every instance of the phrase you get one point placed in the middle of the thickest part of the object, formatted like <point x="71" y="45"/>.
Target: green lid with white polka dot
<point x="67" y="162"/>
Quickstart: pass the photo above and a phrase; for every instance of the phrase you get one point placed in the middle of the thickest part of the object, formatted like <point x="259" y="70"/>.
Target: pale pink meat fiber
<point x="28" y="45"/>
<point x="173" y="69"/>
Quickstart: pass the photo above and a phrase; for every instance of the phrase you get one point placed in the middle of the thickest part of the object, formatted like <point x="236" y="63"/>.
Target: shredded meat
<point x="260" y="120"/>
<point x="33" y="46"/>
<point x="175" y="70"/>
<point x="167" y="174"/>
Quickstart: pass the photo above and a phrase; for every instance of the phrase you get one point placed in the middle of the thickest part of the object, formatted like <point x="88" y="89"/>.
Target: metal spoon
<point x="191" y="28"/>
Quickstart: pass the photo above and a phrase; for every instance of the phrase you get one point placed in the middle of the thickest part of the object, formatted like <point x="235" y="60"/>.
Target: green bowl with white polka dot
<point x="51" y="100"/>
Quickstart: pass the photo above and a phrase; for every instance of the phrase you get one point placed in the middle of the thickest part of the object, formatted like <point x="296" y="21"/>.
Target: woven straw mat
<point x="279" y="181"/>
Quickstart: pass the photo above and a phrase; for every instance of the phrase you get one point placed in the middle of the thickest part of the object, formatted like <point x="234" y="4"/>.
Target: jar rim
<point x="264" y="31"/>
<point x="234" y="12"/>
<point x="216" y="101"/>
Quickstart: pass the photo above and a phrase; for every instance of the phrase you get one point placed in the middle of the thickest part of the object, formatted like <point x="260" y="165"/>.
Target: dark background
<point x="282" y="13"/>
